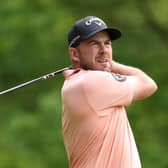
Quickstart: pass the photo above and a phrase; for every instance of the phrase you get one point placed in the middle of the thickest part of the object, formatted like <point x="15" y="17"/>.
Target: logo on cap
<point x="95" y="20"/>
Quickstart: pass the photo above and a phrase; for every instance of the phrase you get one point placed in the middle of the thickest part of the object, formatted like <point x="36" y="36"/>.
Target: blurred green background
<point x="33" y="42"/>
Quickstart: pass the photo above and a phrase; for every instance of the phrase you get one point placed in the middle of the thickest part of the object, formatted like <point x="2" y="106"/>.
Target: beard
<point x="102" y="62"/>
<point x="97" y="66"/>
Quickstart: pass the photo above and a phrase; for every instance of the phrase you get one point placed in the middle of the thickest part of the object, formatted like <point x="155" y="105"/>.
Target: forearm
<point x="125" y="69"/>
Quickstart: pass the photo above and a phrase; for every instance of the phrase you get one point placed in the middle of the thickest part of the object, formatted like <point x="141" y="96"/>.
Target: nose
<point x="103" y="48"/>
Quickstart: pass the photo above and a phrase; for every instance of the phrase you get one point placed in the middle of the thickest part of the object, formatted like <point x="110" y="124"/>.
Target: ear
<point x="74" y="54"/>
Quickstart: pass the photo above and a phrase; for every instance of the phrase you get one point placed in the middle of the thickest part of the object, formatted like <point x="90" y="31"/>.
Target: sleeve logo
<point x="118" y="77"/>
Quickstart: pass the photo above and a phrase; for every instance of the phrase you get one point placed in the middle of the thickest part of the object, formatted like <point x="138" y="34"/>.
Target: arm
<point x="143" y="86"/>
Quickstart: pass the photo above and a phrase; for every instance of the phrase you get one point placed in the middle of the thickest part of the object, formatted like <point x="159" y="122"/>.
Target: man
<point x="95" y="127"/>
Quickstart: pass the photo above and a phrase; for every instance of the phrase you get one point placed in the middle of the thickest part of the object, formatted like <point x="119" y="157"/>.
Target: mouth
<point x="103" y="61"/>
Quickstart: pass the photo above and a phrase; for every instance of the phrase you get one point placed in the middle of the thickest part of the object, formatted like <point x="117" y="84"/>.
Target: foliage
<point x="33" y="42"/>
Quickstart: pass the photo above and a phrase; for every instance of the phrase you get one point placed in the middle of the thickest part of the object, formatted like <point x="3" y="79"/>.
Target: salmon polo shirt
<point x="95" y="127"/>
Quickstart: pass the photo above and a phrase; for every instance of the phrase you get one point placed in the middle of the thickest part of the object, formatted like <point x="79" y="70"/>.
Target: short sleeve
<point x="104" y="90"/>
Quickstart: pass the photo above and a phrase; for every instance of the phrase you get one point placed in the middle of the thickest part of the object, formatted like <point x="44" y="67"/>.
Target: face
<point x="95" y="53"/>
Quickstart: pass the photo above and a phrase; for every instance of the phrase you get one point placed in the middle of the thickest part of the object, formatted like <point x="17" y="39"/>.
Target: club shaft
<point x="44" y="77"/>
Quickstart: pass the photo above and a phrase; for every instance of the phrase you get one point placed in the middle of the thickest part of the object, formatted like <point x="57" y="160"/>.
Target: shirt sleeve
<point x="104" y="90"/>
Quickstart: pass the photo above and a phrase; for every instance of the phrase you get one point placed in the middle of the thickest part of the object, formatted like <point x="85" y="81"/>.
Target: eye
<point x="93" y="43"/>
<point x="108" y="42"/>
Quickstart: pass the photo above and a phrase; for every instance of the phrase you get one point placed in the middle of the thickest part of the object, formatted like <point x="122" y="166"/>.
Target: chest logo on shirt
<point x="118" y="77"/>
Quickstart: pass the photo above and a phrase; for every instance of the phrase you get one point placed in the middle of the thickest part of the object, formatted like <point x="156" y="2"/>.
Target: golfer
<point x="95" y="127"/>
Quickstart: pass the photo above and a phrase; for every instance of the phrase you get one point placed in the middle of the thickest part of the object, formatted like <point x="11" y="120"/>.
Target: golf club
<point x="44" y="77"/>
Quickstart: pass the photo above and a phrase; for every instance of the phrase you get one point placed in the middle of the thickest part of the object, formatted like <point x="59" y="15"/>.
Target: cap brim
<point x="113" y="33"/>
